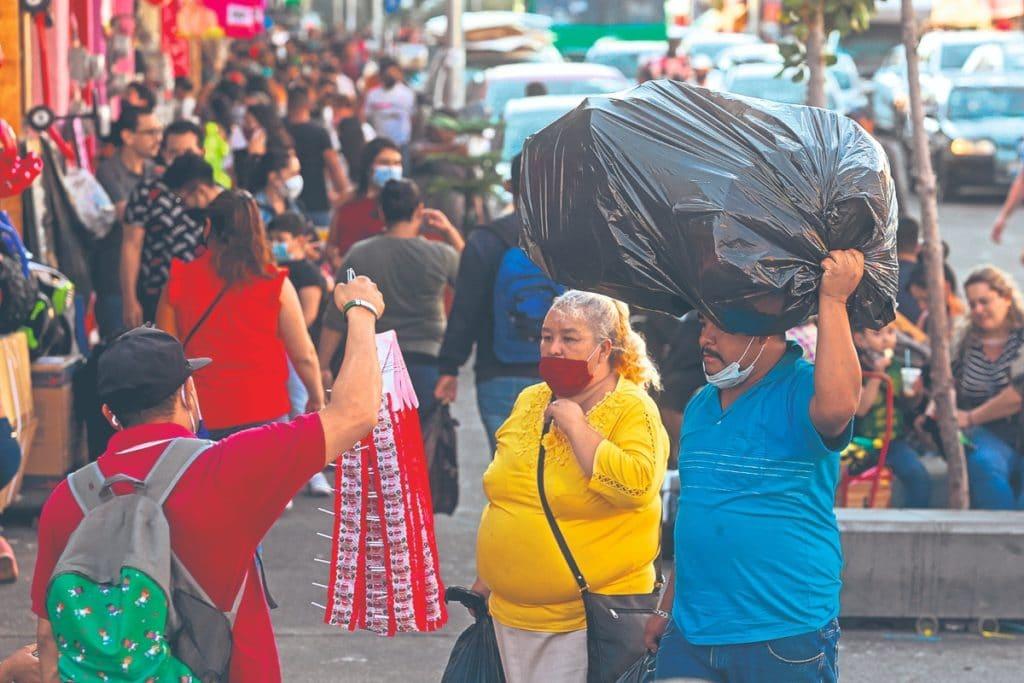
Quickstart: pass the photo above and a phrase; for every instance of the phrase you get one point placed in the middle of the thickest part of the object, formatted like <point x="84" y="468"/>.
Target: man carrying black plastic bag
<point x="756" y="592"/>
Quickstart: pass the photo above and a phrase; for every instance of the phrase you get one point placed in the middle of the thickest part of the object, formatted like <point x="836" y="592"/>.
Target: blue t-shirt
<point x="757" y="543"/>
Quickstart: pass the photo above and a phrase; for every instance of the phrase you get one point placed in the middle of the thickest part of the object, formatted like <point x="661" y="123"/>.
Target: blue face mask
<point x="280" y="252"/>
<point x="382" y="174"/>
<point x="732" y="375"/>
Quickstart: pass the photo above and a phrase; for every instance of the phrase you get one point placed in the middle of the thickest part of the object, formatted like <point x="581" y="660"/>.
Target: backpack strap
<point x="85" y="484"/>
<point x="171" y="465"/>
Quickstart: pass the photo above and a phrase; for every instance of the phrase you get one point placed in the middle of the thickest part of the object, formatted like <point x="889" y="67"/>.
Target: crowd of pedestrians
<point x="239" y="222"/>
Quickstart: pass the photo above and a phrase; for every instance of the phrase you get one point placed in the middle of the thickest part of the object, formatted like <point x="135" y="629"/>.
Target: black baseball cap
<point x="141" y="368"/>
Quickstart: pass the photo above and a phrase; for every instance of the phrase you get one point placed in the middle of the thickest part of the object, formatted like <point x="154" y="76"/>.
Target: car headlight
<point x="977" y="148"/>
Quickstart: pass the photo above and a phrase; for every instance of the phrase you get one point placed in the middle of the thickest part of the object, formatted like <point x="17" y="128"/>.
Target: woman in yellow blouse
<point x="606" y="458"/>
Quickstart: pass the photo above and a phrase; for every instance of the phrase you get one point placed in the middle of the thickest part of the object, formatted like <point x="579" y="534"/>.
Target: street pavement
<point x="313" y="652"/>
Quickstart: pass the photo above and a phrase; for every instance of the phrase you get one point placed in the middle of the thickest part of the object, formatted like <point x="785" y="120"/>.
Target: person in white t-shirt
<point x="390" y="107"/>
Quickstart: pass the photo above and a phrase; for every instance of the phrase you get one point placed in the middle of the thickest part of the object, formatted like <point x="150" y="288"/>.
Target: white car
<point x="712" y="44"/>
<point x="625" y="55"/>
<point x="993" y="58"/>
<point x="751" y="53"/>
<point x="522" y="118"/>
<point x="765" y="82"/>
<point x="526" y="115"/>
<point x="942" y="55"/>
<point x="492" y="89"/>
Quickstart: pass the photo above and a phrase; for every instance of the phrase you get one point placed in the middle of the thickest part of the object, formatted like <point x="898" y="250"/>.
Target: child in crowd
<point x="289" y="235"/>
<point x="877" y="355"/>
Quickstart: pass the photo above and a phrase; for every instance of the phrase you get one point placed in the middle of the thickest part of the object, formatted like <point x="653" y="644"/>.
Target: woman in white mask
<point x="359" y="217"/>
<point x="276" y="183"/>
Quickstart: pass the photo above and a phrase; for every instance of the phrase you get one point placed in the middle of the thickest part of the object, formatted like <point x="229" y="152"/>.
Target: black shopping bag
<point x="440" y="445"/>
<point x="642" y="671"/>
<point x="672" y="197"/>
<point x="475" y="657"/>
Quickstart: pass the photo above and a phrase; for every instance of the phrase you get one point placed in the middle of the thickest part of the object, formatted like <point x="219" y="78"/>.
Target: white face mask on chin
<point x="732" y="375"/>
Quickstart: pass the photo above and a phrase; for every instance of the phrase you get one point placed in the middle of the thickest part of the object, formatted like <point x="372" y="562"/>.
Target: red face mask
<point x="565" y="376"/>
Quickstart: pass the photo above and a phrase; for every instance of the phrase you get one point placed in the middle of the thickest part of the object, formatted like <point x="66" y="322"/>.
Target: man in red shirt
<point x="233" y="493"/>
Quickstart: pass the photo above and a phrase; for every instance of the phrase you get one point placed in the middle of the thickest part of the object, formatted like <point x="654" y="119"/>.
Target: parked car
<point x="494" y="88"/>
<point x="522" y="118"/>
<point x="942" y="55"/>
<point x="712" y="44"/>
<point x="765" y="82"/>
<point x="625" y="55"/>
<point x="749" y="53"/>
<point x="852" y="96"/>
<point x="525" y="116"/>
<point x="995" y="58"/>
<point x="492" y="39"/>
<point x="976" y="133"/>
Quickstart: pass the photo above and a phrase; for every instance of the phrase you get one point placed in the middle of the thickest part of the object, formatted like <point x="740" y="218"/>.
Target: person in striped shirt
<point x="988" y="368"/>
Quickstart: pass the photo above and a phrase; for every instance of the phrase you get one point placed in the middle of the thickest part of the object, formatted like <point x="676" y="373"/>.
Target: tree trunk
<point x="456" y="58"/>
<point x="938" y="318"/>
<point x="816" y="54"/>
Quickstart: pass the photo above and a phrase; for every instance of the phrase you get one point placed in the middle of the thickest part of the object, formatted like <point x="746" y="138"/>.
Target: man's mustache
<point x="705" y="351"/>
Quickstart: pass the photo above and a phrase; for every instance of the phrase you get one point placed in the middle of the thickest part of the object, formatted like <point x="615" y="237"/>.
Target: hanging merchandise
<point x="41" y="327"/>
<point x="57" y="336"/>
<point x="239" y="18"/>
<point x="17" y="288"/>
<point x="672" y="197"/>
<point x="174" y="45"/>
<point x="17" y="171"/>
<point x="385" y="575"/>
<point x="11" y="244"/>
<point x="17" y="296"/>
<point x="58" y="230"/>
<point x="92" y="201"/>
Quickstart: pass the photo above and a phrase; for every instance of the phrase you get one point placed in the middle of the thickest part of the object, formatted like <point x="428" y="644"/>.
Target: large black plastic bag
<point x="475" y="657"/>
<point x="673" y="197"/>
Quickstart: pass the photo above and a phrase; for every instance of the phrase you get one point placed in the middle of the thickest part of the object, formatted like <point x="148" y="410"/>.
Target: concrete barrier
<point x="942" y="564"/>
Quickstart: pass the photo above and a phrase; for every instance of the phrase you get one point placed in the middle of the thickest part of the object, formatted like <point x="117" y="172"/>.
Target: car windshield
<point x="710" y="49"/>
<point x="628" y="63"/>
<point x="782" y="90"/>
<point x="500" y="92"/>
<point x="981" y="103"/>
<point x="1013" y="60"/>
<point x="954" y="55"/>
<point x="521" y="125"/>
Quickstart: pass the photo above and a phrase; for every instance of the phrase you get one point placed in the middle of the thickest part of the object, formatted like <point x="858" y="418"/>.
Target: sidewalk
<point x="312" y="652"/>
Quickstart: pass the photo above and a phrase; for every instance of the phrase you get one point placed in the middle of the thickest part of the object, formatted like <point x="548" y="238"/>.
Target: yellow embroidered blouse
<point x="611" y="520"/>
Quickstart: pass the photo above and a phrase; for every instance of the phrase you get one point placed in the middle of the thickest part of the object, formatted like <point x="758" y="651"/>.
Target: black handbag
<point x="440" y="445"/>
<point x="615" y="623"/>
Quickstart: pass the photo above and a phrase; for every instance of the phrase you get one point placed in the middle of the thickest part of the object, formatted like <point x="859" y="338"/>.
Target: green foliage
<point x="482" y="181"/>
<point x="483" y="178"/>
<point x="460" y="126"/>
<point x="844" y="16"/>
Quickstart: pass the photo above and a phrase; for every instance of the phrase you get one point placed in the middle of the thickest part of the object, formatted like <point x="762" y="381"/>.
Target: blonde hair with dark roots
<point x="1003" y="284"/>
<point x="608" y="319"/>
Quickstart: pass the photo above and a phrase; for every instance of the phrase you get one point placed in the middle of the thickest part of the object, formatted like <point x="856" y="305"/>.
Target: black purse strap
<point x="206" y="313"/>
<point x="559" y="538"/>
<point x="577" y="573"/>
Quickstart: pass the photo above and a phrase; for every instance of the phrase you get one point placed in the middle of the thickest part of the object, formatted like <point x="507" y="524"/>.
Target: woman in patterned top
<point x="988" y="368"/>
<point x="605" y="459"/>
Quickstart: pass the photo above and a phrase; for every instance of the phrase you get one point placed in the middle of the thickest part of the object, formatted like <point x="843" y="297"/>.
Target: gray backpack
<point x="120" y="600"/>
